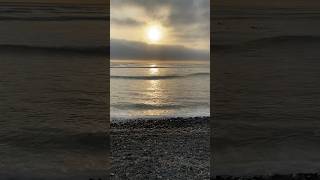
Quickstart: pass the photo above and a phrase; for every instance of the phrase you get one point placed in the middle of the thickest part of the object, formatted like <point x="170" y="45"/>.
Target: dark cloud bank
<point x="123" y="49"/>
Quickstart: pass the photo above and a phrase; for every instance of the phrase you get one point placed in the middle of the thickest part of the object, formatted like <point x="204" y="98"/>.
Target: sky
<point x="161" y="27"/>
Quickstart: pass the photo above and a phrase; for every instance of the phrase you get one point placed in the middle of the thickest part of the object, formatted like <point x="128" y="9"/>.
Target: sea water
<point x="53" y="113"/>
<point x="266" y="91"/>
<point x="159" y="89"/>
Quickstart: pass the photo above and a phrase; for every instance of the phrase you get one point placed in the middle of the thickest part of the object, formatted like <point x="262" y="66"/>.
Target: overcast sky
<point x="185" y="27"/>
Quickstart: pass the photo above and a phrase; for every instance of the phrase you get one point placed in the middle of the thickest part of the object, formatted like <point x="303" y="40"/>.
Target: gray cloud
<point x="190" y="19"/>
<point x="147" y="4"/>
<point x="183" y="12"/>
<point x="123" y="49"/>
<point x="127" y="22"/>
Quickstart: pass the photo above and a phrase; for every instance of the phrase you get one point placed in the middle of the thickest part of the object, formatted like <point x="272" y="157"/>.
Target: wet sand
<point x="175" y="148"/>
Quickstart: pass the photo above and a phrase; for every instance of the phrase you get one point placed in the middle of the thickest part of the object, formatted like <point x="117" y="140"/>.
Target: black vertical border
<point x="211" y="150"/>
<point x="108" y="91"/>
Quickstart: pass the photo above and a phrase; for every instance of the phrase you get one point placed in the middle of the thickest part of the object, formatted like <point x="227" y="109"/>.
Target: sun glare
<point x="154" y="70"/>
<point x="154" y="34"/>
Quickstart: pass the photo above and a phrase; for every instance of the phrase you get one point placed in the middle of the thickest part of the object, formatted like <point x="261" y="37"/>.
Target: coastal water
<point x="53" y="112"/>
<point x="159" y="89"/>
<point x="266" y="92"/>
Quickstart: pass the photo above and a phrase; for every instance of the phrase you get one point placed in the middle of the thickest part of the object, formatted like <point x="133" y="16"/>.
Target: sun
<point x="154" y="34"/>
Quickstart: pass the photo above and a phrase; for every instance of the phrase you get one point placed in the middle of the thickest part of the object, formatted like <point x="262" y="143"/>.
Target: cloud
<point x="182" y="12"/>
<point x="127" y="22"/>
<point x="189" y="20"/>
<point x="124" y="49"/>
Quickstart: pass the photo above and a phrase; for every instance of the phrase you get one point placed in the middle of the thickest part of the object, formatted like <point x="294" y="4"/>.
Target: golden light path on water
<point x="155" y="92"/>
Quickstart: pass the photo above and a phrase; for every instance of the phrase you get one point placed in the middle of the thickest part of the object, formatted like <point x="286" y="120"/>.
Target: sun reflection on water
<point x="153" y="70"/>
<point x="154" y="90"/>
<point x="154" y="86"/>
<point x="156" y="98"/>
<point x="155" y="93"/>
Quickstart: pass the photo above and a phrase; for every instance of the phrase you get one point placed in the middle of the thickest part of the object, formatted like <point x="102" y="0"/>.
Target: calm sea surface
<point x="266" y="92"/>
<point x="159" y="89"/>
<point x="53" y="113"/>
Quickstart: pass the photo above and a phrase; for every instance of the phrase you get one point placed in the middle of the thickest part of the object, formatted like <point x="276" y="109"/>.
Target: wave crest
<point x="160" y="77"/>
<point x="265" y="42"/>
<point x="55" y="49"/>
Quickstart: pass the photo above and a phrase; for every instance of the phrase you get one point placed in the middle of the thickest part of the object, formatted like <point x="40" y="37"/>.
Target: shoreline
<point x="169" y="122"/>
<point x="174" y="148"/>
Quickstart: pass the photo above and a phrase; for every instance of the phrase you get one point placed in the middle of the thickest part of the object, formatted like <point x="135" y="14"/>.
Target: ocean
<point x="266" y="91"/>
<point x="155" y="89"/>
<point x="53" y="87"/>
